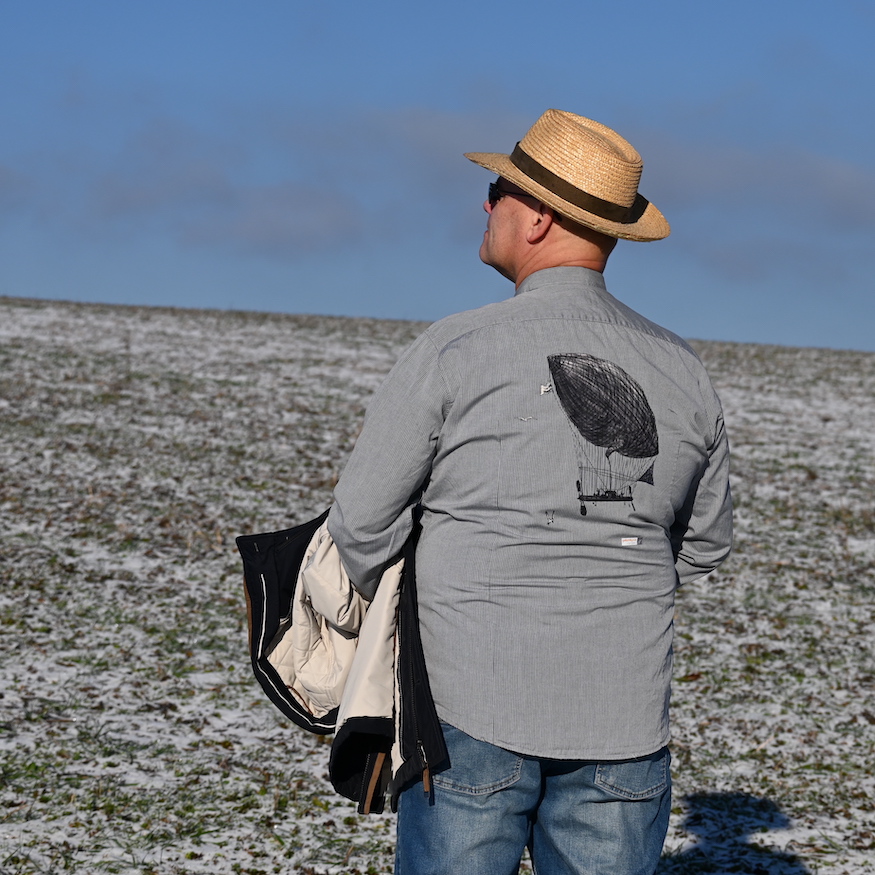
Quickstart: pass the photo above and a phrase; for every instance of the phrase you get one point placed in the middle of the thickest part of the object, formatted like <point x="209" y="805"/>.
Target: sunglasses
<point x="496" y="194"/>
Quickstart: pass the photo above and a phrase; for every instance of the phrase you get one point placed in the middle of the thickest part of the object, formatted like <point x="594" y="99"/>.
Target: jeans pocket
<point x="476" y="767"/>
<point x="641" y="778"/>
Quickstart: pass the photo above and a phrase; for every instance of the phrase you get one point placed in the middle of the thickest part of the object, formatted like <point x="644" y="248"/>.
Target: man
<point x="569" y="461"/>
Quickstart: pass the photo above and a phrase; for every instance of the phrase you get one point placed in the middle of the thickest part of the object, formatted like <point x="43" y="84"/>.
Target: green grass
<point x="136" y="444"/>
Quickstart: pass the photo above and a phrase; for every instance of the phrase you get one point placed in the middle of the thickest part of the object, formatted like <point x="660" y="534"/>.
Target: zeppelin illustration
<point x="613" y="425"/>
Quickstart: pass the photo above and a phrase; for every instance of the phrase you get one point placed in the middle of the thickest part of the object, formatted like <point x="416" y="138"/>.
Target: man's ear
<point x="542" y="220"/>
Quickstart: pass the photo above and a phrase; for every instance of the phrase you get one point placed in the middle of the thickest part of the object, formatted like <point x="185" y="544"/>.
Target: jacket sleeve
<point x="702" y="534"/>
<point x="372" y="513"/>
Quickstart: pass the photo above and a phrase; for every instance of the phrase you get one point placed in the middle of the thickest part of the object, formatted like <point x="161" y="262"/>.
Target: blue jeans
<point x="598" y="818"/>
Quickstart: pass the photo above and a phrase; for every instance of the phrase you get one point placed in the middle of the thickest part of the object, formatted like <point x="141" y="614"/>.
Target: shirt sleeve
<point x="372" y="513"/>
<point x="702" y="534"/>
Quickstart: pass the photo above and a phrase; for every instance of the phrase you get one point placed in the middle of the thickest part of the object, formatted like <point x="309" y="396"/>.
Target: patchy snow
<point x="136" y="443"/>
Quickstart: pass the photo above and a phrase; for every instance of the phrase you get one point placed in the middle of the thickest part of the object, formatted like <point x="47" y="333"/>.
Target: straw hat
<point x="584" y="171"/>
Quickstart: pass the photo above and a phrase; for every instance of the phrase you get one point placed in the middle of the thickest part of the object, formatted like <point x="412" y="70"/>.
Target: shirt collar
<point x="579" y="277"/>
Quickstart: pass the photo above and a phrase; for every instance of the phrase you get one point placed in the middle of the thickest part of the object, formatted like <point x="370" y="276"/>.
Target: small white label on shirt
<point x="630" y="542"/>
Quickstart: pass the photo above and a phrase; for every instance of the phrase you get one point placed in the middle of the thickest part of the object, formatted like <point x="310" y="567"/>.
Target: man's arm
<point x="372" y="514"/>
<point x="702" y="533"/>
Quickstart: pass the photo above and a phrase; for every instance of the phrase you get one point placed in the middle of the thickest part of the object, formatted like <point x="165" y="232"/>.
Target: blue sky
<point x="298" y="157"/>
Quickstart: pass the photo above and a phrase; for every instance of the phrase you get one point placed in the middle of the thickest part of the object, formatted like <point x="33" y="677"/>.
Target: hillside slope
<point x="136" y="443"/>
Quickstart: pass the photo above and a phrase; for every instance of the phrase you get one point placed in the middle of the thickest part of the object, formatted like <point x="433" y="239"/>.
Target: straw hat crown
<point x="583" y="170"/>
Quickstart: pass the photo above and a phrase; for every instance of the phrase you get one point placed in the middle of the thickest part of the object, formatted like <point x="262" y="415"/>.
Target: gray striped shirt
<point x="573" y="469"/>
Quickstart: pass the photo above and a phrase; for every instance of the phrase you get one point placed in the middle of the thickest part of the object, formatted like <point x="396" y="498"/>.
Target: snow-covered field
<point x="136" y="443"/>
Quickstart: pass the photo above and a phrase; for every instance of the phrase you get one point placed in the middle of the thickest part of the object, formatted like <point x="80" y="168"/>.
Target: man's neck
<point x="534" y="265"/>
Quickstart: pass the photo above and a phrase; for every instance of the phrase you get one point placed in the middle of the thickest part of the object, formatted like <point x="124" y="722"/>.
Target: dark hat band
<point x="549" y="180"/>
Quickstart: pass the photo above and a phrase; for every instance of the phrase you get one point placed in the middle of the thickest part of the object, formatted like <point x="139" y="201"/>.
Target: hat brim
<point x="645" y="223"/>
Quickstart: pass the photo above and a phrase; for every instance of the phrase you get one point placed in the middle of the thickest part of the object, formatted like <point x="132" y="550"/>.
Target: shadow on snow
<point x="726" y="826"/>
